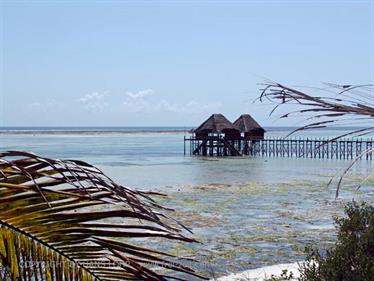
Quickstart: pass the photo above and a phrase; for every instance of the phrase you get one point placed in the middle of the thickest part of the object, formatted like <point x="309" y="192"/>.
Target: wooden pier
<point x="213" y="146"/>
<point x="217" y="137"/>
<point x="281" y="147"/>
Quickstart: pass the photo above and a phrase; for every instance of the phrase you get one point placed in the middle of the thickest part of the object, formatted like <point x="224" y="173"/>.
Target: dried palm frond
<point x="338" y="105"/>
<point x="355" y="103"/>
<point x="66" y="220"/>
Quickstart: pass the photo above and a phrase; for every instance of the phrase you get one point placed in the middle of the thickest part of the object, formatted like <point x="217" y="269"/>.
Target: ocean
<point x="247" y="212"/>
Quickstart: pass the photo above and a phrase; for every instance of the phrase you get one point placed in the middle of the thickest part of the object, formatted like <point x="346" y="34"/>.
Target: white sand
<point x="259" y="274"/>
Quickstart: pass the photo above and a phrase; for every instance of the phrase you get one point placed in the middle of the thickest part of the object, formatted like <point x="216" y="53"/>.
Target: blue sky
<point x="171" y="63"/>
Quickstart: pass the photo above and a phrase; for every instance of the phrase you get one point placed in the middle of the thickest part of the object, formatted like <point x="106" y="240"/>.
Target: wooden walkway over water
<point x="280" y="147"/>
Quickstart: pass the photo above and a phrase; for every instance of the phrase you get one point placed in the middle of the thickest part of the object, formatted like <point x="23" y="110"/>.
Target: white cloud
<point x="190" y="107"/>
<point x="196" y="107"/>
<point x="142" y="102"/>
<point x="94" y="101"/>
<point x="92" y="97"/>
<point x="139" y="95"/>
<point x="164" y="105"/>
<point x="34" y="105"/>
<point x="45" y="105"/>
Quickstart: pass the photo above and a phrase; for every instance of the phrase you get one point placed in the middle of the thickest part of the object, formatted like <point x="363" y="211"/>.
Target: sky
<point x="172" y="63"/>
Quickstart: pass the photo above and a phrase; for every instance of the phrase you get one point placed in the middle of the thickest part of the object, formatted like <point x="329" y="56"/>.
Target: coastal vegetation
<point x="352" y="256"/>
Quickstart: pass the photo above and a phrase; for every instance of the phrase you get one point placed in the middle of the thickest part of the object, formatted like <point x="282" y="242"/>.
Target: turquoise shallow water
<point x="248" y="212"/>
<point x="128" y="155"/>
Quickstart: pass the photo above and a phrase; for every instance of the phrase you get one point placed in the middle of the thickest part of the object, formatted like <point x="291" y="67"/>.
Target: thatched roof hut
<point x="217" y="124"/>
<point x="249" y="126"/>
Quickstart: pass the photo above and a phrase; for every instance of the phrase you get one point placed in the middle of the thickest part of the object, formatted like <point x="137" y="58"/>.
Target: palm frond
<point x="355" y="102"/>
<point x="66" y="220"/>
<point x="347" y="105"/>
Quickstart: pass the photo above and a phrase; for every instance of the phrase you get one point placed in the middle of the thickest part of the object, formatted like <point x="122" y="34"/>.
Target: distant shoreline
<point x="91" y="130"/>
<point x="129" y="130"/>
<point x="80" y="132"/>
<point x="68" y="128"/>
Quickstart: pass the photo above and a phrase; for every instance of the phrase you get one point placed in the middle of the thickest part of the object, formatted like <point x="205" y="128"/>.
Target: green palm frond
<point x="66" y="220"/>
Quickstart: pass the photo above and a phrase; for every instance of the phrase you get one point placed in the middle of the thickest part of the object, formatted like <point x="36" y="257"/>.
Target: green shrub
<point x="352" y="257"/>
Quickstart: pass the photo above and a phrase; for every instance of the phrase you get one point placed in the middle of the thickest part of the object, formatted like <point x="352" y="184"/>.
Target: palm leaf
<point x="66" y="220"/>
<point x="355" y="103"/>
<point x="349" y="105"/>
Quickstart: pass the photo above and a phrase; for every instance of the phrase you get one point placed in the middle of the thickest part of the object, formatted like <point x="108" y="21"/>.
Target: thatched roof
<point x="246" y="124"/>
<point x="216" y="123"/>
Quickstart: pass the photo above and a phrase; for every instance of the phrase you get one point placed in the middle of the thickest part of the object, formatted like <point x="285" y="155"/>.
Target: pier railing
<point x="290" y="147"/>
<point x="314" y="148"/>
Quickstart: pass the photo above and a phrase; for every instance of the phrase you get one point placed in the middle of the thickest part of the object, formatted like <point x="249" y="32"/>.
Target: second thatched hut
<point x="249" y="128"/>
